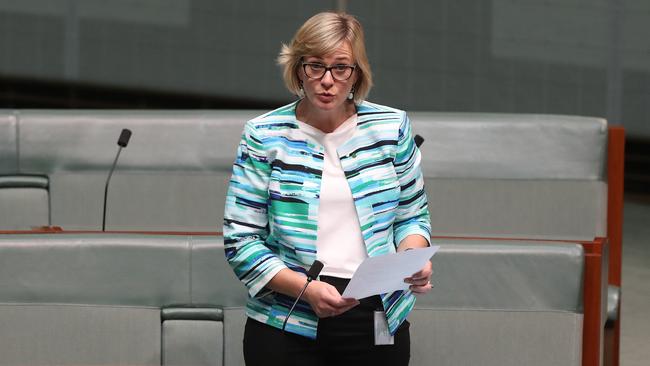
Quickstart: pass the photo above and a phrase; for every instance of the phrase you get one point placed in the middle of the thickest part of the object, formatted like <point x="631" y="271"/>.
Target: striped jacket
<point x="271" y="209"/>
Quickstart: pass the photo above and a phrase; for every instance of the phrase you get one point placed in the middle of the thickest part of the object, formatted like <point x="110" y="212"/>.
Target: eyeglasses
<point x="340" y="72"/>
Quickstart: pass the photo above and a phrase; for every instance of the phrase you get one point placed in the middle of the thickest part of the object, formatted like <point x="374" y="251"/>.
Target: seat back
<point x="71" y="299"/>
<point x="483" y="172"/>
<point x="501" y="302"/>
<point x="172" y="175"/>
<point x="514" y="175"/>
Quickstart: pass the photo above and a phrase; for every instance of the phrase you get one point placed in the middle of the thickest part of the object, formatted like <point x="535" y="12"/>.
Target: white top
<point x="339" y="241"/>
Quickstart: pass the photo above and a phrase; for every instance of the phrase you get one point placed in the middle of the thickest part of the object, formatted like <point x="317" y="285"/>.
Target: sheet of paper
<point x="386" y="273"/>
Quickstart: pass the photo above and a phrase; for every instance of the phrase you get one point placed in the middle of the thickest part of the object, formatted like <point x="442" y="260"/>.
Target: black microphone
<point x="418" y="140"/>
<point x="313" y="272"/>
<point x="125" y="135"/>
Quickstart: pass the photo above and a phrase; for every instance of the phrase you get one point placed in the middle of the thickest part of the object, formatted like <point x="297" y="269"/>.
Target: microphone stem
<point x="106" y="187"/>
<point x="295" y="303"/>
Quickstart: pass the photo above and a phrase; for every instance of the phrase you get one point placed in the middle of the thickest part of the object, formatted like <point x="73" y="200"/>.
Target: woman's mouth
<point x="325" y="97"/>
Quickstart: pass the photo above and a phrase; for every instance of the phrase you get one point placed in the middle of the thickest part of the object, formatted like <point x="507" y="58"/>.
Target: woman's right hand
<point x="326" y="301"/>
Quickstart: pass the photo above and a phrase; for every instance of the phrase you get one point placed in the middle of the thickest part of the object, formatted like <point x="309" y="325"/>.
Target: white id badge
<point x="382" y="335"/>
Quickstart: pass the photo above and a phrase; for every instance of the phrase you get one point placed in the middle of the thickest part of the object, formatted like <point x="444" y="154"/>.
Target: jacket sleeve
<point x="245" y="226"/>
<point x="412" y="216"/>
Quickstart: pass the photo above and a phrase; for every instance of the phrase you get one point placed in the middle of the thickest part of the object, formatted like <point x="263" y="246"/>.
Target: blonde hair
<point x="323" y="34"/>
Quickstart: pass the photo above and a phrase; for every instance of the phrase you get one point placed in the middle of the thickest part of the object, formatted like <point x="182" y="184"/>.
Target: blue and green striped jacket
<point x="271" y="211"/>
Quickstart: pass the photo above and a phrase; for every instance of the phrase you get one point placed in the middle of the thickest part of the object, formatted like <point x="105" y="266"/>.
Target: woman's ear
<point x="299" y="71"/>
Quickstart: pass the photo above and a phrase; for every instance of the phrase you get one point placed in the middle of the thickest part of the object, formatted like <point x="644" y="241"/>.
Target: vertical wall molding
<point x="614" y="63"/>
<point x="71" y="42"/>
<point x="341" y="5"/>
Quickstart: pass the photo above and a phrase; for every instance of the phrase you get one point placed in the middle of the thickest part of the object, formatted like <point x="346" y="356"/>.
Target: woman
<point x="328" y="177"/>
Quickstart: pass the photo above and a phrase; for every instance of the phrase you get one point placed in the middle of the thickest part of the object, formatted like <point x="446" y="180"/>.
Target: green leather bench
<point x="71" y="299"/>
<point x="174" y="173"/>
<point x="487" y="175"/>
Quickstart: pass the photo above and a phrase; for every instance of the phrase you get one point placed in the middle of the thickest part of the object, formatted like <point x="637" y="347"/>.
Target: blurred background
<point x="576" y="57"/>
<point x="573" y="57"/>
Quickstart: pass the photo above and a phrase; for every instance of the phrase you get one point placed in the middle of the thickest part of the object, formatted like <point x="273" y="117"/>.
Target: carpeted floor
<point x="635" y="294"/>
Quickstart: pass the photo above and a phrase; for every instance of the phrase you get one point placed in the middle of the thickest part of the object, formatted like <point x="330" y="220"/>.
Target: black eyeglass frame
<point x="328" y="68"/>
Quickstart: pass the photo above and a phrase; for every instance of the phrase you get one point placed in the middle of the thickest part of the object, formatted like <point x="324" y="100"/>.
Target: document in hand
<point x="386" y="273"/>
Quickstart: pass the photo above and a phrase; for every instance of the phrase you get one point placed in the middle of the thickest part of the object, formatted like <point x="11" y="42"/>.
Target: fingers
<point x="337" y="302"/>
<point x="326" y="312"/>
<point x="422" y="276"/>
<point x="421" y="281"/>
<point x="326" y="301"/>
<point x="421" y="289"/>
<point x="417" y="281"/>
<point x="346" y="308"/>
<point x="341" y="306"/>
<point x="338" y="310"/>
<point x="426" y="271"/>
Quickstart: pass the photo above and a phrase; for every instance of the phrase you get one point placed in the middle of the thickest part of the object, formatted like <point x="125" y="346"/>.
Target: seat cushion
<point x="192" y="342"/>
<point x="51" y="334"/>
<point x="22" y="208"/>
<point x="495" y="337"/>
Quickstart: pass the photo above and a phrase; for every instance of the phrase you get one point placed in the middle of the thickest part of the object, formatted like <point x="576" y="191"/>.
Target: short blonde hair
<point x="320" y="35"/>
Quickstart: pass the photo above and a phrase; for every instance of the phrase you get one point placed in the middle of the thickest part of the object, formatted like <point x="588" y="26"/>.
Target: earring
<point x="351" y="95"/>
<point x="301" y="91"/>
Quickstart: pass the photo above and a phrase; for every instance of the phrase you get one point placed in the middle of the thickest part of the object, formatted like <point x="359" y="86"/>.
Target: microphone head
<point x="418" y="140"/>
<point x="124" y="137"/>
<point x="315" y="269"/>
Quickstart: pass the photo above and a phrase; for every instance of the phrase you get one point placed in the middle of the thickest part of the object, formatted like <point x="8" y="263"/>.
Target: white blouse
<point x="339" y="241"/>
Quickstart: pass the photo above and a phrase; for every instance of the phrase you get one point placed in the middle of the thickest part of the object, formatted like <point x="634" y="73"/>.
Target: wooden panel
<point x="615" y="188"/>
<point x="592" y="295"/>
<point x="615" y="172"/>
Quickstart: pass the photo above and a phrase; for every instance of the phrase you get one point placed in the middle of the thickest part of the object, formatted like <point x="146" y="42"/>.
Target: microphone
<point x="313" y="272"/>
<point x="418" y="140"/>
<point x="125" y="135"/>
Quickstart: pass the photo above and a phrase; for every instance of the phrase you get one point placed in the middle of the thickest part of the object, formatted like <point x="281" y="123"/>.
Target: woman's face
<point x="327" y="93"/>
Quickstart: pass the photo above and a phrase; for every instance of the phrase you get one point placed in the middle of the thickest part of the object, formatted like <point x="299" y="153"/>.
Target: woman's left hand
<point x="421" y="281"/>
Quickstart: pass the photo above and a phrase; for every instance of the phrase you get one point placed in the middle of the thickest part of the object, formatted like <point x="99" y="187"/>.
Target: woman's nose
<point x="327" y="78"/>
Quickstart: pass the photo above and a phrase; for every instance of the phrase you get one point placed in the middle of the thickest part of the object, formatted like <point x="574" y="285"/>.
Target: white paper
<point x="386" y="273"/>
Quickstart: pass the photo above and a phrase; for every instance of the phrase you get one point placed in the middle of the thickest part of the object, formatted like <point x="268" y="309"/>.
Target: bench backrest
<point x="510" y="175"/>
<point x="145" y="299"/>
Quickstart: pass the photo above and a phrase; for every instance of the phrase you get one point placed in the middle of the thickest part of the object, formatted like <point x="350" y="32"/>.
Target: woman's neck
<point x="326" y="121"/>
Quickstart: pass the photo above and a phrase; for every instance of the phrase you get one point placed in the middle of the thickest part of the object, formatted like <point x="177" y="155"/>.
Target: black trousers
<point x="347" y="339"/>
